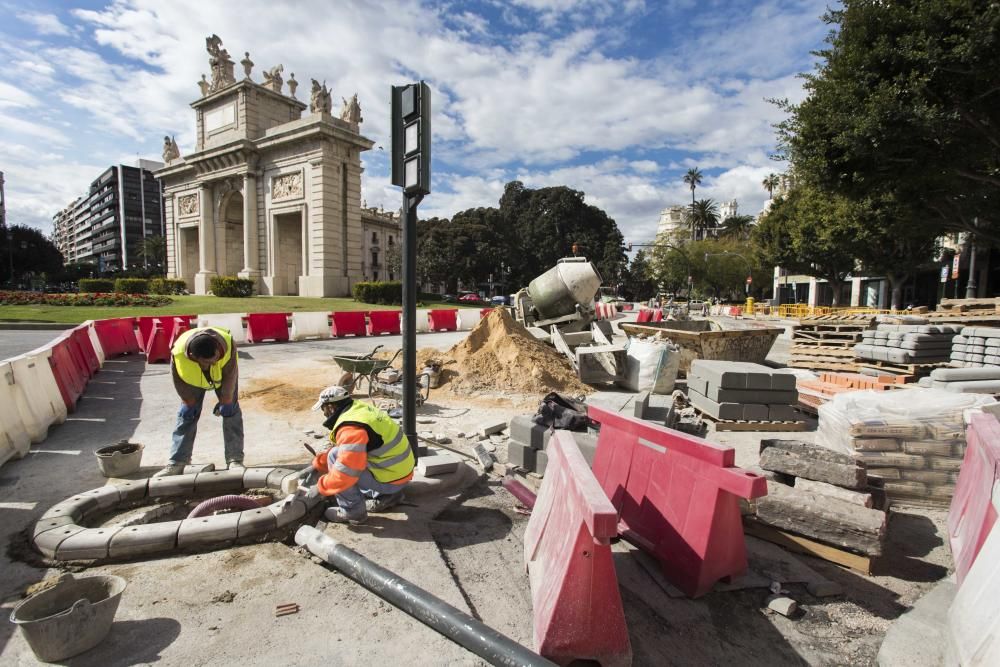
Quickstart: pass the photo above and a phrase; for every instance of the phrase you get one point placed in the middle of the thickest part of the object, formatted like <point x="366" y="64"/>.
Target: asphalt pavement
<point x="15" y="342"/>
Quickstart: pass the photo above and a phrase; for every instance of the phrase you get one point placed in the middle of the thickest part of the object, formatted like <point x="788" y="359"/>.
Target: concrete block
<point x="824" y="589"/>
<point x="755" y="412"/>
<point x="964" y="374"/>
<point x="147" y="538"/>
<point x="51" y="523"/>
<point x="766" y="396"/>
<point x="107" y="496"/>
<point x="587" y="442"/>
<point x="175" y="485"/>
<point x="601" y="363"/>
<point x="193" y="469"/>
<point x="782" y="380"/>
<point x="48" y="542"/>
<point x="255" y="522"/>
<point x="276" y="475"/>
<point x="528" y="432"/>
<point x="522" y="456"/>
<point x="721" y="374"/>
<point x="219" y="482"/>
<point x="132" y="490"/>
<point x="782" y="413"/>
<point x="698" y="384"/>
<point x="731" y="411"/>
<point x="256" y="478"/>
<point x="783" y="605"/>
<point x="437" y="463"/>
<point x="208" y="530"/>
<point x="64" y="509"/>
<point x="640" y="404"/>
<point x="77" y="506"/>
<point x="88" y="544"/>
<point x="285" y="515"/>
<point x="490" y="429"/>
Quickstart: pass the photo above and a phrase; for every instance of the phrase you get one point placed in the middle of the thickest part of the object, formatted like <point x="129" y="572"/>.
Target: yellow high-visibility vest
<point x="190" y="371"/>
<point x="389" y="455"/>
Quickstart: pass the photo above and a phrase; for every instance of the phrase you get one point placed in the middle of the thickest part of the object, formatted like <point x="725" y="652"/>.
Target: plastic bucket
<point x="119" y="460"/>
<point x="71" y="617"/>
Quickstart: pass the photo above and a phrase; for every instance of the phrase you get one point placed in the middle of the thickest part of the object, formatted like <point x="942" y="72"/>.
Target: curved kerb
<point x="58" y="535"/>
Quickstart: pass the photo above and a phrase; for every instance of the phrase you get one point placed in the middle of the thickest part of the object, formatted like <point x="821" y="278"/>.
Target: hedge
<point x="231" y="286"/>
<point x="95" y="285"/>
<point x="131" y="285"/>
<point x="167" y="286"/>
<point x="388" y="293"/>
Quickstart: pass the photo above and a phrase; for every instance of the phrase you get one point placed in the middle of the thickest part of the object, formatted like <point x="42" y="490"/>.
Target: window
<point x="374" y="237"/>
<point x="390" y="241"/>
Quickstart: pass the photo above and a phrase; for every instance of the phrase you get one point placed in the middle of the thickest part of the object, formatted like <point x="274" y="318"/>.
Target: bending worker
<point x="370" y="460"/>
<point x="203" y="359"/>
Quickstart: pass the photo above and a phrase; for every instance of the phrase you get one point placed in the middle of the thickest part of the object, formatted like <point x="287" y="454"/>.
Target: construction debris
<point x="783" y="605"/>
<point x="802" y="459"/>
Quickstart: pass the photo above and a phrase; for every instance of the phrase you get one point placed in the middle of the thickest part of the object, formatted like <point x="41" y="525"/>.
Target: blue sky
<point x="617" y="99"/>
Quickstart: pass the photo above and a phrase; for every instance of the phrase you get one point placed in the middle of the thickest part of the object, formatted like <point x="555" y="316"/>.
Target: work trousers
<point x="187" y="429"/>
<point x="352" y="499"/>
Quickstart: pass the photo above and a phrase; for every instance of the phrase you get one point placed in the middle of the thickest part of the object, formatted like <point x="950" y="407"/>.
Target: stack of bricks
<point x="908" y="343"/>
<point x="742" y="391"/>
<point x="976" y="347"/>
<point x="528" y="442"/>
<point x="814" y="393"/>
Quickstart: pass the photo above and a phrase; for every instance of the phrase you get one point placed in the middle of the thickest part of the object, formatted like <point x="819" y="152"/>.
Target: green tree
<point x="29" y="251"/>
<point x="153" y="251"/>
<point x="737" y="227"/>
<point x="771" y="181"/>
<point x="638" y="283"/>
<point x="905" y="106"/>
<point x="463" y="249"/>
<point x="670" y="266"/>
<point x="703" y="216"/>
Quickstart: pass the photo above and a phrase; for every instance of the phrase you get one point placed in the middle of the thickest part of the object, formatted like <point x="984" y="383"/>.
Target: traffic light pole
<point x="409" y="221"/>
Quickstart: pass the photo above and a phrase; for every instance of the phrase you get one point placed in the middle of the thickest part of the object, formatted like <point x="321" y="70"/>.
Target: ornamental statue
<point x="220" y="63"/>
<point x="170" y="150"/>
<point x="272" y="78"/>
<point x="320" y="100"/>
<point x="351" y="112"/>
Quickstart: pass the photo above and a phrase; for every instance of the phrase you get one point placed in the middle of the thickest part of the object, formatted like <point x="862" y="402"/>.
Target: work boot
<point x="237" y="465"/>
<point x="384" y="502"/>
<point x="170" y="470"/>
<point x="340" y="515"/>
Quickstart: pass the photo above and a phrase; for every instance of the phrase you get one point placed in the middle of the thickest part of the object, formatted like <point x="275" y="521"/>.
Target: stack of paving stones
<point x="821" y="494"/>
<point x="528" y="442"/>
<point x="976" y="347"/>
<point x="969" y="380"/>
<point x="742" y="391"/>
<point x="908" y="343"/>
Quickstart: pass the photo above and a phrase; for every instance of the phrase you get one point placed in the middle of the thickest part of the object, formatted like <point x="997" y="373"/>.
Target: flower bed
<point x="99" y="299"/>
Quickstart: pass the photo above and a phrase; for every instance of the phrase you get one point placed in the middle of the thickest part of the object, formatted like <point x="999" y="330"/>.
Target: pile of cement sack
<point x="908" y="343"/>
<point x="976" y="347"/>
<point x="742" y="391"/>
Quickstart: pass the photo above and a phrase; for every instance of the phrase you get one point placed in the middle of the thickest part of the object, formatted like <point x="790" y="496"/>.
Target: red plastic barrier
<point x="79" y="358"/>
<point x="972" y="513"/>
<point x="644" y="316"/>
<point x="626" y="306"/>
<point x="657" y="315"/>
<point x="483" y="312"/>
<point x="384" y="322"/>
<point x="443" y="320"/>
<point x="70" y="378"/>
<point x="599" y="311"/>
<point x="117" y="336"/>
<point x="577" y="609"/>
<point x="158" y="341"/>
<point x="267" y="326"/>
<point x="348" y="323"/>
<point x="178" y="325"/>
<point x="82" y="337"/>
<point x="677" y="497"/>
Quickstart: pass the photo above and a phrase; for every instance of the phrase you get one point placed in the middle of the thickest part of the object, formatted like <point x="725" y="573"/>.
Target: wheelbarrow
<point x="358" y="367"/>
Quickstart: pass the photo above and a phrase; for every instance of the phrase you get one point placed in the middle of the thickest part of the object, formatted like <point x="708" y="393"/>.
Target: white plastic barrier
<point x="974" y="615"/>
<point x="310" y="325"/>
<point x="468" y="318"/>
<point x="14" y="438"/>
<point x="33" y="381"/>
<point x="95" y="341"/>
<point x="423" y="325"/>
<point x="231" y="321"/>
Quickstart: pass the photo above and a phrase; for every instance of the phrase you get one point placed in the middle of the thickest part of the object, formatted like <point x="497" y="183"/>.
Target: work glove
<point x="189" y="411"/>
<point x="308" y="476"/>
<point x="225" y="409"/>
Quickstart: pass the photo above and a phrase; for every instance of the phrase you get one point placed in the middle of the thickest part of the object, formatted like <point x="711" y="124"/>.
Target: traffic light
<point x="411" y="138"/>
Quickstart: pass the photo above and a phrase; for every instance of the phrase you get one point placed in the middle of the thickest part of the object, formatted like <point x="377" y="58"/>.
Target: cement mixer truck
<point x="562" y="296"/>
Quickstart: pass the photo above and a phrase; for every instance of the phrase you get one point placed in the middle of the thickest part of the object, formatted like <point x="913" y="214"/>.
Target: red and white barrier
<point x="231" y="321"/>
<point x="14" y="438"/>
<point x="310" y="325"/>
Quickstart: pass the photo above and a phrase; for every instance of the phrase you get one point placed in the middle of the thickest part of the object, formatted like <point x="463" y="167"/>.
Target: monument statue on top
<point x="247" y="64"/>
<point x="350" y="112"/>
<point x="170" y="150"/>
<point x="292" y="85"/>
<point x="220" y="63"/>
<point x="319" y="99"/>
<point x="272" y="78"/>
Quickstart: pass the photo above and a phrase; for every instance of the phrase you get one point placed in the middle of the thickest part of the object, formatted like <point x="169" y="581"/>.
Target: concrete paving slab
<point x="721" y="374"/>
<point x="766" y="396"/>
<point x="717" y="410"/>
<point x="206" y="531"/>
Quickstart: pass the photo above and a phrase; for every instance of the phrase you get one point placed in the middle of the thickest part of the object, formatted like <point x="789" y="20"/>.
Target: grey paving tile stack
<point x="908" y="343"/>
<point x="528" y="442"/>
<point x="738" y="390"/>
<point x="976" y="347"/>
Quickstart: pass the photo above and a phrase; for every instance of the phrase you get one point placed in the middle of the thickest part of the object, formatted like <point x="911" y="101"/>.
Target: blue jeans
<point x="187" y="429"/>
<point x="352" y="500"/>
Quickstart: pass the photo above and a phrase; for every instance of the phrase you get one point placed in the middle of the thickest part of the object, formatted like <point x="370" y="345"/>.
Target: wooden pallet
<point x="917" y="370"/>
<point x="822" y="351"/>
<point x="824" y="364"/>
<point x="740" y="425"/>
<point x="804" y="545"/>
<point x="822" y="343"/>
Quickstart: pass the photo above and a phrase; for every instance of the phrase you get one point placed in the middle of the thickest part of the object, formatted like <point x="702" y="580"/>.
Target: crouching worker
<point x="370" y="461"/>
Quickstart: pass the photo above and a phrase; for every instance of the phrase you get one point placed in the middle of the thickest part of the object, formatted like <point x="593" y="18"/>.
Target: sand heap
<point x="500" y="355"/>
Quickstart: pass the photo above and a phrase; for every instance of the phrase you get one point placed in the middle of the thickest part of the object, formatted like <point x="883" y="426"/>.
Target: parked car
<point x="449" y="298"/>
<point x="500" y="300"/>
<point x="469" y="298"/>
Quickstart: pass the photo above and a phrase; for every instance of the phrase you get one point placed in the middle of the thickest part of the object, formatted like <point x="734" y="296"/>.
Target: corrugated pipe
<point x="484" y="641"/>
<point x="231" y="502"/>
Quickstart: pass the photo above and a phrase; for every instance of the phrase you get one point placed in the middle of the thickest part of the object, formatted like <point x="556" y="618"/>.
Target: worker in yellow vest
<point x="370" y="461"/>
<point x="203" y="359"/>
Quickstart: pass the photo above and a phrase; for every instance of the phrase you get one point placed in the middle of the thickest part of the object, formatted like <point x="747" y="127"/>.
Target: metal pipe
<point x="477" y="637"/>
<point x="409" y="221"/>
<point x="523" y="494"/>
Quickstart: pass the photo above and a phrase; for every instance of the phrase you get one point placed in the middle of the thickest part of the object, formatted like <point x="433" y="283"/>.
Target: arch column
<point x="206" y="242"/>
<point x="251" y="268"/>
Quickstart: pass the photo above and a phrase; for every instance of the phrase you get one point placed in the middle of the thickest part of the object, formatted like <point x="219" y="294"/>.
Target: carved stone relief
<point x="187" y="205"/>
<point x="286" y="186"/>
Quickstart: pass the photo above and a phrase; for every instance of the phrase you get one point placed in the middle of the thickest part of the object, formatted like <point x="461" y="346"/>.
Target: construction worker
<point x="203" y="359"/>
<point x="370" y="461"/>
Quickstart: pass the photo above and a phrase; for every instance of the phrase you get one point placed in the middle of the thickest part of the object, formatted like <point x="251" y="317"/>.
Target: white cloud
<point x="44" y="24"/>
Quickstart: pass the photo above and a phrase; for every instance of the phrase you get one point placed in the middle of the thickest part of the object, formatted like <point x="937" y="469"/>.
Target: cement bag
<point x="651" y="365"/>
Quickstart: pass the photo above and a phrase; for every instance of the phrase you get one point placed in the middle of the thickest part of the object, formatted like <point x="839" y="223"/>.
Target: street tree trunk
<point x="896" y="284"/>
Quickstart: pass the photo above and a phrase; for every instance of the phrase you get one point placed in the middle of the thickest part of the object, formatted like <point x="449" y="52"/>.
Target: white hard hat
<point x="331" y="394"/>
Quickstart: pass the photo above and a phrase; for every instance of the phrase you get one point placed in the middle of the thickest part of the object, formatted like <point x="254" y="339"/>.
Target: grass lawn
<point x="189" y="305"/>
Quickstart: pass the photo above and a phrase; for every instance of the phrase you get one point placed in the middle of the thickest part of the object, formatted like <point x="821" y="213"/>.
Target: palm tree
<point x="703" y="215"/>
<point x="154" y="251"/>
<point x="693" y="179"/>
<point x="737" y="226"/>
<point x="771" y="182"/>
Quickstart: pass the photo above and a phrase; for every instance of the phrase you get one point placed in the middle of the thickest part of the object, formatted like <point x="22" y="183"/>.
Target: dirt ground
<point x="460" y="538"/>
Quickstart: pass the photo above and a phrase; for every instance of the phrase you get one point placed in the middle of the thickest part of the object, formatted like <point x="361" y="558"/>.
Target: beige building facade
<point x="272" y="191"/>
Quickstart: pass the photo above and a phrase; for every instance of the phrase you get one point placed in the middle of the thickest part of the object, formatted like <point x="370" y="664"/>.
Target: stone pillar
<point x="206" y="242"/>
<point x="251" y="252"/>
<point x="855" y="292"/>
<point x="883" y="294"/>
<point x="812" y="292"/>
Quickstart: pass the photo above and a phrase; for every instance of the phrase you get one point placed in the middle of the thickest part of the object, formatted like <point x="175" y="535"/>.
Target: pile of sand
<point x="500" y="355"/>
